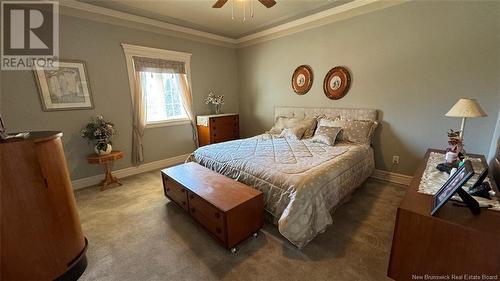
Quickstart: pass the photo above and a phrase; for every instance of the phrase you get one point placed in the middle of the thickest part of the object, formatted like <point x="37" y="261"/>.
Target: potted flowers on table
<point x="100" y="132"/>
<point x="215" y="101"/>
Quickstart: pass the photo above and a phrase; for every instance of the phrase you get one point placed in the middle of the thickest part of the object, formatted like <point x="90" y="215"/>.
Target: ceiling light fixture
<point x="266" y="3"/>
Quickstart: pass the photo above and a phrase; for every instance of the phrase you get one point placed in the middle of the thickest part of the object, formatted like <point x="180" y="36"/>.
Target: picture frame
<point x="66" y="88"/>
<point x="302" y="79"/>
<point x="452" y="185"/>
<point x="337" y="83"/>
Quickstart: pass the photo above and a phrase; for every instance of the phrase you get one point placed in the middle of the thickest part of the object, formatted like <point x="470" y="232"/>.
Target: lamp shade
<point x="466" y="108"/>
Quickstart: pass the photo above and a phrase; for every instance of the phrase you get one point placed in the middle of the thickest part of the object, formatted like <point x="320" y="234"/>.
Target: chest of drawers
<point x="229" y="210"/>
<point x="217" y="128"/>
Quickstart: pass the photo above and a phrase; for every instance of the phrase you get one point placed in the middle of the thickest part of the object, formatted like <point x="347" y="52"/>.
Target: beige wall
<point x="98" y="44"/>
<point x="412" y="62"/>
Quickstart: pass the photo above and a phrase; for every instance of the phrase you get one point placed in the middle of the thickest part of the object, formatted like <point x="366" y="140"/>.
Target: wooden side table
<point x="105" y="161"/>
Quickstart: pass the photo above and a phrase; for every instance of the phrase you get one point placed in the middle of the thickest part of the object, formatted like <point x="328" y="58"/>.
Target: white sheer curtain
<point x="187" y="102"/>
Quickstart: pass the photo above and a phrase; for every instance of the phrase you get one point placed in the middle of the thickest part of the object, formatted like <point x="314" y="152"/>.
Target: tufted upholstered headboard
<point x="344" y="113"/>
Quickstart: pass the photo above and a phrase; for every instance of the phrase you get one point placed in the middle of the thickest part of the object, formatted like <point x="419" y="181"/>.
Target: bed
<point x="302" y="181"/>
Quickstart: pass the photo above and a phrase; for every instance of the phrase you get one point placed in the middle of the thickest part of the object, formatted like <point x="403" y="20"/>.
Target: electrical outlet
<point x="395" y="159"/>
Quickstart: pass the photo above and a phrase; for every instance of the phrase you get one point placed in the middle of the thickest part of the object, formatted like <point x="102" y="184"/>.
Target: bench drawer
<point x="207" y="215"/>
<point x="175" y="192"/>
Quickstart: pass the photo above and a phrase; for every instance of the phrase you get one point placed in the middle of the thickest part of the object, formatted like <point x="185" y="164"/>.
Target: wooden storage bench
<point x="229" y="210"/>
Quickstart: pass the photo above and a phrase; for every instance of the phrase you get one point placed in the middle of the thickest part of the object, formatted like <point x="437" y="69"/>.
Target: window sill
<point x="175" y="122"/>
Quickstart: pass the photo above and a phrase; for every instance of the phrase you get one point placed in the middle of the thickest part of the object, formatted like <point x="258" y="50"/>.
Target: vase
<point x="99" y="151"/>
<point x="216" y="108"/>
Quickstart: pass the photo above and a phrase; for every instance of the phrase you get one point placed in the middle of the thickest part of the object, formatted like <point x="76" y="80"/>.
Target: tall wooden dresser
<point x="41" y="236"/>
<point x="217" y="128"/>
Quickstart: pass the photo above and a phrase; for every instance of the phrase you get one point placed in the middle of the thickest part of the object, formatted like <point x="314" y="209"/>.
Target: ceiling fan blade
<point x="219" y="3"/>
<point x="268" y="3"/>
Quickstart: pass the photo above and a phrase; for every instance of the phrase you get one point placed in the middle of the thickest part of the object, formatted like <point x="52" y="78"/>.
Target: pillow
<point x="357" y="131"/>
<point x="310" y="125"/>
<point x="283" y="122"/>
<point x="326" y="135"/>
<point x="327" y="121"/>
<point x="294" y="133"/>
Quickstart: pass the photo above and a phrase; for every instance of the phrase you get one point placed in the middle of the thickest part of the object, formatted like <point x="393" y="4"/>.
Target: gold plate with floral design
<point x="336" y="83"/>
<point x="302" y="79"/>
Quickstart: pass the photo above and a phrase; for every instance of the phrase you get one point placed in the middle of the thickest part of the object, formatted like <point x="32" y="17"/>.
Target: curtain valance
<point x="143" y="64"/>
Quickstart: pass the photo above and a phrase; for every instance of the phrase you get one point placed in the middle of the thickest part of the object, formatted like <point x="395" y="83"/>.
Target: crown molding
<point x="92" y="12"/>
<point x="342" y="12"/>
<point x="351" y="9"/>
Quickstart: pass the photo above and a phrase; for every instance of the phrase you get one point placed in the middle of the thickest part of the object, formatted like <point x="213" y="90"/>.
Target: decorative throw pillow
<point x="357" y="131"/>
<point x="310" y="125"/>
<point x="294" y="133"/>
<point x="283" y="122"/>
<point x="326" y="135"/>
<point x="327" y="121"/>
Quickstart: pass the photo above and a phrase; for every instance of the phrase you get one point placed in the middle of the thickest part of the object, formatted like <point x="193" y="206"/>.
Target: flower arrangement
<point x="101" y="132"/>
<point x="216" y="101"/>
<point x="454" y="141"/>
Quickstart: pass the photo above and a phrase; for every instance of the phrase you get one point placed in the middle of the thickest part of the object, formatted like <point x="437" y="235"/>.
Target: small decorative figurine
<point x="454" y="152"/>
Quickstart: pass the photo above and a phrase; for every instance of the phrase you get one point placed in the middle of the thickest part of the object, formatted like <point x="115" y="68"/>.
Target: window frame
<point x="134" y="50"/>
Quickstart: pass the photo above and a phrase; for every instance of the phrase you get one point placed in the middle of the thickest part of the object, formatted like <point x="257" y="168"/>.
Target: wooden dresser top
<point x="488" y="221"/>
<point x="219" y="190"/>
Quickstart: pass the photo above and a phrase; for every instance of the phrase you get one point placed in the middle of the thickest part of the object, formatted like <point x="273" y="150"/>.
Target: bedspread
<point x="302" y="181"/>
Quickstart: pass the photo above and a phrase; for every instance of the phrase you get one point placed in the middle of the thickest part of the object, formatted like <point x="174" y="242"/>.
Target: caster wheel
<point x="255" y="234"/>
<point x="234" y="250"/>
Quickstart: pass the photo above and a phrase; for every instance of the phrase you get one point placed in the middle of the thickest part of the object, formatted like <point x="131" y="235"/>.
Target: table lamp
<point x="465" y="108"/>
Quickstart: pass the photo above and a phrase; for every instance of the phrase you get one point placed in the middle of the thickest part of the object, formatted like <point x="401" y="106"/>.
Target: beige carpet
<point x="134" y="233"/>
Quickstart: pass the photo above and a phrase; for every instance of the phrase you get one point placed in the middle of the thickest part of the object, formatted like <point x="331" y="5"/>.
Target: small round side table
<point x="105" y="161"/>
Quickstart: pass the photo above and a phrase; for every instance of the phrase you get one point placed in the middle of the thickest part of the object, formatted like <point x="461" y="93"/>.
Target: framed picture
<point x="66" y="88"/>
<point x="337" y="82"/>
<point x="302" y="79"/>
<point x="452" y="185"/>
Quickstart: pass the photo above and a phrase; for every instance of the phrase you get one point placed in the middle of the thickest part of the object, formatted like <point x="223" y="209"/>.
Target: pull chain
<point x="251" y="7"/>
<point x="232" y="9"/>
<point x="244" y="10"/>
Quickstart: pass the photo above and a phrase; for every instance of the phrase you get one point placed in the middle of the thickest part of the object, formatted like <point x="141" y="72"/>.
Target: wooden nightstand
<point x="105" y="161"/>
<point x="217" y="128"/>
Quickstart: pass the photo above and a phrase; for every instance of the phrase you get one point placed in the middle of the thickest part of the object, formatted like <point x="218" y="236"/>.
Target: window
<point x="161" y="80"/>
<point x="162" y="97"/>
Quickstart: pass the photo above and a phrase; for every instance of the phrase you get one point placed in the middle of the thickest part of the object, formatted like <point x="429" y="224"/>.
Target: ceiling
<point x="199" y="14"/>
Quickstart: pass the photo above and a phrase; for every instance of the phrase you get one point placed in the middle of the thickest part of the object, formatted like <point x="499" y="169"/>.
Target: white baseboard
<point x="392" y="177"/>
<point x="130" y="171"/>
<point x="156" y="165"/>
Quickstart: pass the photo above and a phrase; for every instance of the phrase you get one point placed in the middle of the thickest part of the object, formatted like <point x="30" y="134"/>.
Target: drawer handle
<point x="217" y="215"/>
<point x="193" y="210"/>
<point x="217" y="229"/>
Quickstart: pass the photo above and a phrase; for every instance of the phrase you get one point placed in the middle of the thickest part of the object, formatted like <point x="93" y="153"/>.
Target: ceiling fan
<point x="267" y="3"/>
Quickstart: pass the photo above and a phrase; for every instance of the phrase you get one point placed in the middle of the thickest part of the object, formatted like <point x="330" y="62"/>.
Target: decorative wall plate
<point x="302" y="79"/>
<point x="336" y="83"/>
